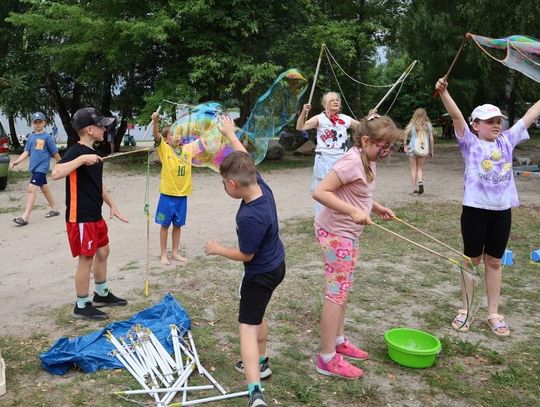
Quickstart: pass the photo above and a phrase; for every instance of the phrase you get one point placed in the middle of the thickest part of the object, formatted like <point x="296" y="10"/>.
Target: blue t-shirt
<point x="41" y="148"/>
<point x="258" y="232"/>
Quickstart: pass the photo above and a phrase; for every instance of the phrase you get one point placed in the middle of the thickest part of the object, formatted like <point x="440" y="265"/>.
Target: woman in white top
<point x="332" y="135"/>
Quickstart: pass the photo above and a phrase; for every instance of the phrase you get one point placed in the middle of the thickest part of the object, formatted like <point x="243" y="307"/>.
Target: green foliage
<point x="432" y="32"/>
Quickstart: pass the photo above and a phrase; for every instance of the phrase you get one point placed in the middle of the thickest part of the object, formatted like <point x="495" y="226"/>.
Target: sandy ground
<point x="38" y="270"/>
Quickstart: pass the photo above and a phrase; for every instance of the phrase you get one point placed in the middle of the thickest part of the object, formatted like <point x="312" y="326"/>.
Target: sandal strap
<point x="499" y="325"/>
<point x="461" y="318"/>
<point x="495" y="316"/>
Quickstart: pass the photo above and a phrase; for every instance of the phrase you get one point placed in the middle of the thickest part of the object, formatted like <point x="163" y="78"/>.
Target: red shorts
<point x="86" y="238"/>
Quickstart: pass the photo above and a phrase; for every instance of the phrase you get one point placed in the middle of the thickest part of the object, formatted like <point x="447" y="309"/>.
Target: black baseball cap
<point x="88" y="116"/>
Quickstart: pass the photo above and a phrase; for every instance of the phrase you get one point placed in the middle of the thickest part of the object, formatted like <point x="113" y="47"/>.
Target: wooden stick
<point x="125" y="153"/>
<point x="316" y="74"/>
<point x="465" y="38"/>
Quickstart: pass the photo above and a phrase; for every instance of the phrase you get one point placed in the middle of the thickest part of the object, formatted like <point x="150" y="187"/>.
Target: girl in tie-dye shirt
<point x="489" y="194"/>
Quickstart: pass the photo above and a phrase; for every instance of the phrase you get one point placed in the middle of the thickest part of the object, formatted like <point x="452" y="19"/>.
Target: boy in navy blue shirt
<point x="261" y="251"/>
<point x="40" y="147"/>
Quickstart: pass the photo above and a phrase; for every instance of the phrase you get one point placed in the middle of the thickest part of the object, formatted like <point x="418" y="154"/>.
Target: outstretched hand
<point x="226" y="124"/>
<point x="212" y="247"/>
<point x="115" y="213"/>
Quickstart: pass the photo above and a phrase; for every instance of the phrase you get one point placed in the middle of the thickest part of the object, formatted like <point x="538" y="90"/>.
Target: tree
<point x="433" y="30"/>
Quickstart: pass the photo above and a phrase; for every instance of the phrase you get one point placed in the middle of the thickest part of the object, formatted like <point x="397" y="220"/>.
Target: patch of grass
<point x="16" y="176"/>
<point x="11" y="209"/>
<point x="131" y="265"/>
<point x="394" y="285"/>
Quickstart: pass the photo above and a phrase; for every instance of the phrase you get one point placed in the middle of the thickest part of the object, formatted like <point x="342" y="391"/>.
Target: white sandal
<point x="461" y="323"/>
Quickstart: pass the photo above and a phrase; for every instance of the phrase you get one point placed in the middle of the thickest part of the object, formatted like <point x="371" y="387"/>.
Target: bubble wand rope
<point x="146" y="289"/>
<point x="472" y="274"/>
<point x="451" y="260"/>
<point x="401" y="79"/>
<point x="434" y="239"/>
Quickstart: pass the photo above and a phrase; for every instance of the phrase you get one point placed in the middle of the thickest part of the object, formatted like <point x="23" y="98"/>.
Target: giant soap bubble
<point x="272" y="111"/>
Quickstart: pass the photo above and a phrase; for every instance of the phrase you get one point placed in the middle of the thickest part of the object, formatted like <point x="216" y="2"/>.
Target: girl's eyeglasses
<point x="383" y="151"/>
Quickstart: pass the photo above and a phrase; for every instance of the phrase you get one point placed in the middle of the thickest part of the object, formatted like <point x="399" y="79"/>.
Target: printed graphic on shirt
<point x="40" y="144"/>
<point x="495" y="169"/>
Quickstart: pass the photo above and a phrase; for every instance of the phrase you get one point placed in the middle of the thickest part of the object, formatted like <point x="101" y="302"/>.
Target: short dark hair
<point x="240" y="167"/>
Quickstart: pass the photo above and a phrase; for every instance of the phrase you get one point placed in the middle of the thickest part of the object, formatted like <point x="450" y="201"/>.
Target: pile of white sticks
<point x="161" y="376"/>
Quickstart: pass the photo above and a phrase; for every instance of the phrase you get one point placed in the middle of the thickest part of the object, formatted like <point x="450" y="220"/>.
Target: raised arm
<point x="226" y="126"/>
<point x="302" y="124"/>
<point x="453" y="110"/>
<point x="532" y="114"/>
<point x="155" y="126"/>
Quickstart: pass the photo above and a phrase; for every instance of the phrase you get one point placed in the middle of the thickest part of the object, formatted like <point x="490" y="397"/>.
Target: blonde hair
<point x="327" y="96"/>
<point x="239" y="166"/>
<point x="380" y="129"/>
<point x="420" y="121"/>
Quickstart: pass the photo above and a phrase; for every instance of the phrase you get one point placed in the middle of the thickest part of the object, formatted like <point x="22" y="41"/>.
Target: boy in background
<point x="40" y="147"/>
<point x="261" y="251"/>
<point x="87" y="230"/>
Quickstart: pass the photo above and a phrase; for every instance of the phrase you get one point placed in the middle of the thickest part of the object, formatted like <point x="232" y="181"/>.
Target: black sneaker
<point x="88" y="312"/>
<point x="420" y="188"/>
<point x="256" y="399"/>
<point x="264" y="368"/>
<point x="109" y="300"/>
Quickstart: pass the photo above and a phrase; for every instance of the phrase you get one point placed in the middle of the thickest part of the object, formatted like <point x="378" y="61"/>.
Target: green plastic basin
<point x="412" y="347"/>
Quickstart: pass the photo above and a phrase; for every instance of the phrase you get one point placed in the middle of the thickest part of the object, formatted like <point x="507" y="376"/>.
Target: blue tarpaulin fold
<point x="93" y="351"/>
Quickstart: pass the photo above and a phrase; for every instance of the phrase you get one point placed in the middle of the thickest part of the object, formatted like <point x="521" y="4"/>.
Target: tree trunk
<point x="62" y="108"/>
<point x="13" y="131"/>
<point x="510" y="95"/>
<point x="120" y="132"/>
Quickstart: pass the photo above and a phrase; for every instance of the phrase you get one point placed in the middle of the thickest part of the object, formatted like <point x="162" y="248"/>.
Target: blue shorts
<point x="38" y="179"/>
<point x="171" y="209"/>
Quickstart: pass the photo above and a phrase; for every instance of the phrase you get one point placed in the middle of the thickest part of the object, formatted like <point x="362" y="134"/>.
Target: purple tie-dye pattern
<point x="489" y="180"/>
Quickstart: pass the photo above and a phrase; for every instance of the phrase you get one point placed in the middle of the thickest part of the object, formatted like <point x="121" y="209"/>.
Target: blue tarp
<point x="93" y="351"/>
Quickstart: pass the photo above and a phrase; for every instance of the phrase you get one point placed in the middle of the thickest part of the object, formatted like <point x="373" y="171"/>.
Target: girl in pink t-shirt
<point x="347" y="195"/>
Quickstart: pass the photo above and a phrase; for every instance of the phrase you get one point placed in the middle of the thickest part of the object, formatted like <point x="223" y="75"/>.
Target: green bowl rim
<point x="422" y="352"/>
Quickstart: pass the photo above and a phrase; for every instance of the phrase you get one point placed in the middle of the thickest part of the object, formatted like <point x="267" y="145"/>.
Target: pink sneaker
<point x="352" y="352"/>
<point x="338" y="367"/>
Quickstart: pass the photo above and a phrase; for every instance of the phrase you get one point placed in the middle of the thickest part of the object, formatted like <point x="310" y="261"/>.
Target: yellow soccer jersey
<point x="176" y="168"/>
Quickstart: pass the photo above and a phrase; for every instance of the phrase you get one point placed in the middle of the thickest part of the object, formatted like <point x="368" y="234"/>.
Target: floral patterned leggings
<point x="340" y="255"/>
